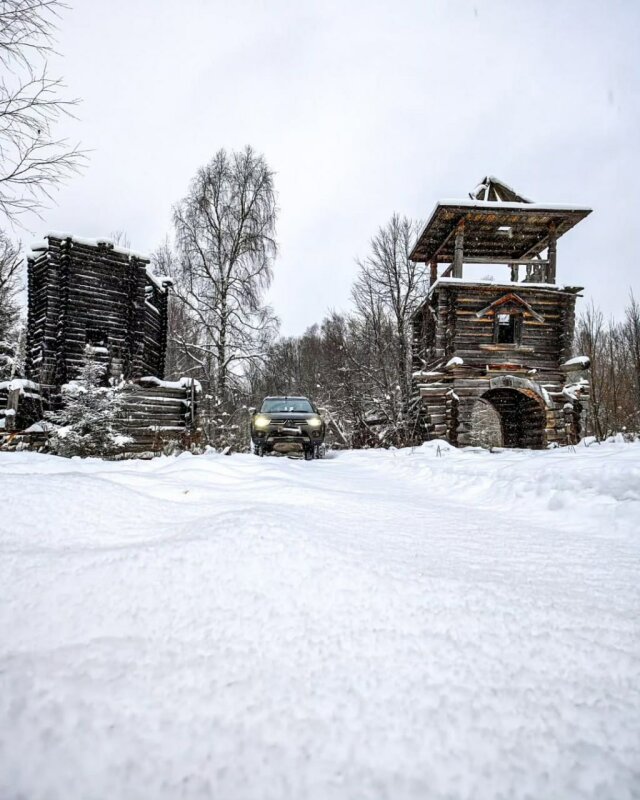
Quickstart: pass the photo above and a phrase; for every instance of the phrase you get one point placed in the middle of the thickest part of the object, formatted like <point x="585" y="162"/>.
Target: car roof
<point x="286" y="397"/>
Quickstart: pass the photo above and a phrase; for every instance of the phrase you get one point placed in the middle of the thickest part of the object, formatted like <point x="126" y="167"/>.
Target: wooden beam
<point x="434" y="271"/>
<point x="508" y="261"/>
<point x="552" y="252"/>
<point x="458" y="253"/>
<point x="443" y="243"/>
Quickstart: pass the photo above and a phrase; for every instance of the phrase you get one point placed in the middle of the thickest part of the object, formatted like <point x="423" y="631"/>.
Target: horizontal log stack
<point x="458" y="361"/>
<point x="157" y="414"/>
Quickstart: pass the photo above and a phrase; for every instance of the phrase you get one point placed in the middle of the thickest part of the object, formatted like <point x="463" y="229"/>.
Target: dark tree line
<point x="614" y="350"/>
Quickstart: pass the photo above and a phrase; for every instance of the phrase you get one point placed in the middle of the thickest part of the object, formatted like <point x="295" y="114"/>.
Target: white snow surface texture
<point x="381" y="624"/>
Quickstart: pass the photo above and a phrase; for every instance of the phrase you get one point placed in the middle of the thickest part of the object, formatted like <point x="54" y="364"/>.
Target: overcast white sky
<point x="362" y="109"/>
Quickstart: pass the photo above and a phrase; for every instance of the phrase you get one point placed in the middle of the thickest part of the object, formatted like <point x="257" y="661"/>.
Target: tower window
<point x="506" y="329"/>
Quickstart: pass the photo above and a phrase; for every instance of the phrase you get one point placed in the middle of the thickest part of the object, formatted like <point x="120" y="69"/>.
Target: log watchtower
<point x="489" y="352"/>
<point x="93" y="292"/>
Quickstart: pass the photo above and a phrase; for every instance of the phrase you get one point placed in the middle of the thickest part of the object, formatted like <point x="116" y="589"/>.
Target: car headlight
<point x="314" y="422"/>
<point x="261" y="421"/>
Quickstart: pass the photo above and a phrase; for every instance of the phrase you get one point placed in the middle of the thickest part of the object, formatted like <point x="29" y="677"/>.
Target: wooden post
<point x="434" y="271"/>
<point x="515" y="268"/>
<point x="551" y="257"/>
<point x="13" y="401"/>
<point x="458" y="251"/>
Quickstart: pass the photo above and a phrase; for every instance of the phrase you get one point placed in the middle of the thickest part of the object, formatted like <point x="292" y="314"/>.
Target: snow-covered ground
<point x="402" y="624"/>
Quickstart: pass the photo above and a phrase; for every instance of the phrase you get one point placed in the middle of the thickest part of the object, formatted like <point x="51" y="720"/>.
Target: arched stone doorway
<point x="522" y="416"/>
<point x="486" y="425"/>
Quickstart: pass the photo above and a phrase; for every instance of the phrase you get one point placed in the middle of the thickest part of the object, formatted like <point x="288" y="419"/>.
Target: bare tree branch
<point x="34" y="162"/>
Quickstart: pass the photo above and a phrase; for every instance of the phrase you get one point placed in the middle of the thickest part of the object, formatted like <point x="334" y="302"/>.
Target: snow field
<point x="431" y="623"/>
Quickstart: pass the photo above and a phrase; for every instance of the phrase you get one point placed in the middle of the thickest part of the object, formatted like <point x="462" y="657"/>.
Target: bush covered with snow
<point x="85" y="425"/>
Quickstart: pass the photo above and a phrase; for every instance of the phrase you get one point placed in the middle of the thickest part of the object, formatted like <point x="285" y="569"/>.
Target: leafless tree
<point x="225" y="237"/>
<point x="34" y="161"/>
<point x="614" y="351"/>
<point x="120" y="238"/>
<point x="632" y="336"/>
<point x="589" y="337"/>
<point x="387" y="290"/>
<point x="10" y="269"/>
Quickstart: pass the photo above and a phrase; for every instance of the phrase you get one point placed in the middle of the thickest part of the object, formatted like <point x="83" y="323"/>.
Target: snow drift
<point x="431" y="623"/>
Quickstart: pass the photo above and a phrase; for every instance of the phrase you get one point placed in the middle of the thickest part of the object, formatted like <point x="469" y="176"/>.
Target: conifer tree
<point x="86" y="424"/>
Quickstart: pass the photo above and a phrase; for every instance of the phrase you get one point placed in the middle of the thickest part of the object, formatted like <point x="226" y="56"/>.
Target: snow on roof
<point x="20" y="384"/>
<point x="492" y="184"/>
<point x="578" y="361"/>
<point x="40" y="427"/>
<point x="531" y="220"/>
<point x="90" y="242"/>
<point x="507" y="206"/>
<point x="181" y="383"/>
<point x="555" y="287"/>
<point x="161" y="282"/>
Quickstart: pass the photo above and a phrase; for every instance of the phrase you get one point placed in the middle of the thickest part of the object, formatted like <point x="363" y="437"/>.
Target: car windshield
<point x="286" y="405"/>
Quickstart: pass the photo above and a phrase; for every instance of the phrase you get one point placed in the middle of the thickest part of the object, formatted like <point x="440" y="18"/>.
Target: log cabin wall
<point x="458" y="362"/>
<point x="155" y="329"/>
<point x="93" y="293"/>
<point x="544" y="339"/>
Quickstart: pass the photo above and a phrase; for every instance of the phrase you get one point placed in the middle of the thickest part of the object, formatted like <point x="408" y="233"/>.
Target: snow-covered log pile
<point x="21" y="401"/>
<point x="156" y="413"/>
<point x="151" y="415"/>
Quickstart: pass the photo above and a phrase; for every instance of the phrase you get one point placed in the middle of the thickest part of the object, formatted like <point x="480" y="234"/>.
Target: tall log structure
<point x="501" y="346"/>
<point x="91" y="292"/>
<point x="84" y="292"/>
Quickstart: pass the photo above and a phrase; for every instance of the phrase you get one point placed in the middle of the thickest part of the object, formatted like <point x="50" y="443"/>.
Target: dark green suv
<point x="287" y="424"/>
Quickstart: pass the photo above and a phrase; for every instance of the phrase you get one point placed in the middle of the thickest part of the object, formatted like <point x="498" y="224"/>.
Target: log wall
<point x="84" y="293"/>
<point x="457" y="360"/>
<point x="156" y="415"/>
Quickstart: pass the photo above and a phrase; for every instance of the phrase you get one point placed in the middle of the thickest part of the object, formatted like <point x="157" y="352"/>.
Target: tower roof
<point x="499" y="223"/>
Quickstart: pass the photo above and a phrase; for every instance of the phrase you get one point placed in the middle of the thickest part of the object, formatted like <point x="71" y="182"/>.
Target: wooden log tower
<point x="502" y="349"/>
<point x="92" y="292"/>
<point x="85" y="292"/>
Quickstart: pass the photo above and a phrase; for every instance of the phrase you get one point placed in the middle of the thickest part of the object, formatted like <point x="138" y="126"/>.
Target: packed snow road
<point x="402" y="624"/>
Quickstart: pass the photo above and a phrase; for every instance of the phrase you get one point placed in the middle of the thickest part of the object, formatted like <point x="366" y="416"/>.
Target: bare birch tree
<point x="10" y="269"/>
<point x="225" y="238"/>
<point x="389" y="285"/>
<point x="632" y="336"/>
<point x="33" y="159"/>
<point x="614" y="351"/>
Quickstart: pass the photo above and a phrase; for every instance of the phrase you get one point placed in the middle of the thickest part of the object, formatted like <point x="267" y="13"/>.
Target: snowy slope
<point x="394" y="624"/>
